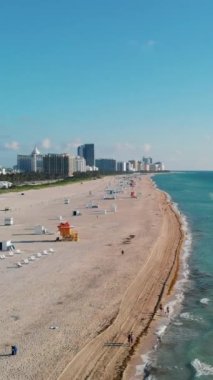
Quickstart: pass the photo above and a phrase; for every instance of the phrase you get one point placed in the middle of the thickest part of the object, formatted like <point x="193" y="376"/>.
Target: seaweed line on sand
<point x="175" y="264"/>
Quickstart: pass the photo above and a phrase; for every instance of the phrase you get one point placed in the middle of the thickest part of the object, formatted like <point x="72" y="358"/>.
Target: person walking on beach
<point x="14" y="350"/>
<point x="130" y="338"/>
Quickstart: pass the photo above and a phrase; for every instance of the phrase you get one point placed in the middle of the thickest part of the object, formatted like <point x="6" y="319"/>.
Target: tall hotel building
<point x="121" y="166"/>
<point x="87" y="151"/>
<point x="106" y="164"/>
<point x="59" y="164"/>
<point x="30" y="163"/>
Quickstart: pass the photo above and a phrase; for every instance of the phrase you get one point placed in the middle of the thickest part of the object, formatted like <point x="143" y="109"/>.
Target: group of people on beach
<point x="166" y="310"/>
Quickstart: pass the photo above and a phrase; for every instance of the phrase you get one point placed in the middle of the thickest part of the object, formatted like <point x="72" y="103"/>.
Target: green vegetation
<point x="28" y="181"/>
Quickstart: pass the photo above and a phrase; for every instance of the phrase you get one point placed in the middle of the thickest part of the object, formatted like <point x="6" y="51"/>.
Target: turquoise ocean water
<point x="186" y="348"/>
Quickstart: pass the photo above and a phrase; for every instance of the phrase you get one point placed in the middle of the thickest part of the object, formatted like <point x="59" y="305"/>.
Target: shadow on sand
<point x="33" y="241"/>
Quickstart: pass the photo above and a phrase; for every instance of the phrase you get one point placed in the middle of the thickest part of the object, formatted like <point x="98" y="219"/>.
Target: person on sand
<point x="122" y="252"/>
<point x="14" y="350"/>
<point x="161" y="307"/>
<point x="130" y="338"/>
<point x="146" y="371"/>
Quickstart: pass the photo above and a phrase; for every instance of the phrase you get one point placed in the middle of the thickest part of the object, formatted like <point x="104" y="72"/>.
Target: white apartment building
<point x="157" y="166"/>
<point x="80" y="164"/>
<point x="121" y="166"/>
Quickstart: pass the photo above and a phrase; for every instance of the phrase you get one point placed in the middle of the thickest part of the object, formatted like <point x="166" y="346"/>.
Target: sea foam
<point x="190" y="317"/>
<point x="161" y="331"/>
<point x="177" y="301"/>
<point x="205" y="301"/>
<point x="184" y="270"/>
<point x="202" y="369"/>
<point x="140" y="368"/>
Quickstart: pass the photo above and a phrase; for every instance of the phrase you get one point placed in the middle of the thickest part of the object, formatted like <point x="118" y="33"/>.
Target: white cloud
<point x="72" y="144"/>
<point x="118" y="151"/>
<point x="179" y="153"/>
<point x="151" y="43"/>
<point x="208" y="137"/>
<point x="127" y="147"/>
<point x="144" y="45"/>
<point x="147" y="148"/>
<point x="134" y="43"/>
<point x="13" y="145"/>
<point x="46" y="143"/>
<point x="76" y="143"/>
<point x="124" y="150"/>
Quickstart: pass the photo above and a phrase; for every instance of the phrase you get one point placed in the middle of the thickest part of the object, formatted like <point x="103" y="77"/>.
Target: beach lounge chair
<point x="38" y="254"/>
<point x="10" y="254"/>
<point x="45" y="252"/>
<point x="51" y="250"/>
<point x="2" y="257"/>
<point x="19" y="265"/>
<point x="32" y="258"/>
<point x="25" y="261"/>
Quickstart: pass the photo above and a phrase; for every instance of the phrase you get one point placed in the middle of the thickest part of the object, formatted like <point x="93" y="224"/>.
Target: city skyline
<point x="134" y="78"/>
<point x="84" y="160"/>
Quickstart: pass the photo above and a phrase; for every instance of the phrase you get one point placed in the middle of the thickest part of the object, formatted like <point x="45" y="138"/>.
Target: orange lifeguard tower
<point x="67" y="232"/>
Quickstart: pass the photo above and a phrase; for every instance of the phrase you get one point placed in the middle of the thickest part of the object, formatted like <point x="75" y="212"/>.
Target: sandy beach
<point x="69" y="312"/>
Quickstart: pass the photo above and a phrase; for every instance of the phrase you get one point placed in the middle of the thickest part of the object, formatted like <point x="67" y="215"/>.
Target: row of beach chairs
<point x="10" y="254"/>
<point x="31" y="258"/>
<point x="34" y="257"/>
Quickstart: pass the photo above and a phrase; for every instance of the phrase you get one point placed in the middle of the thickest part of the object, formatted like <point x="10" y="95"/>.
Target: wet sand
<point x="70" y="311"/>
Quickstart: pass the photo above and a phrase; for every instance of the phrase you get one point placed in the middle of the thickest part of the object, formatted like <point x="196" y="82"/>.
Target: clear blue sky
<point x="132" y="76"/>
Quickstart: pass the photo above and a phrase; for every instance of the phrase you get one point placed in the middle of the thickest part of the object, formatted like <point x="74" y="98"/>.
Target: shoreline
<point x="142" y="354"/>
<point x="120" y="370"/>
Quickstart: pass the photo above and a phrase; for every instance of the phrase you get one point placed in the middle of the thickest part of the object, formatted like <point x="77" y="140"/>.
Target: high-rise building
<point x="106" y="164"/>
<point x="140" y="166"/>
<point x="88" y="152"/>
<point x="80" y="164"/>
<point x="147" y="160"/>
<point x="129" y="167"/>
<point x="80" y="151"/>
<point x="36" y="160"/>
<point x="157" y="166"/>
<point x="30" y="163"/>
<point x="59" y="164"/>
<point x="24" y="163"/>
<point x="121" y="166"/>
<point x="134" y="164"/>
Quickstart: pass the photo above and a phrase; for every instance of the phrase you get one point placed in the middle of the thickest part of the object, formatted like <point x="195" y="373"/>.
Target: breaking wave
<point x="190" y="317"/>
<point x="205" y="301"/>
<point x="202" y="369"/>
